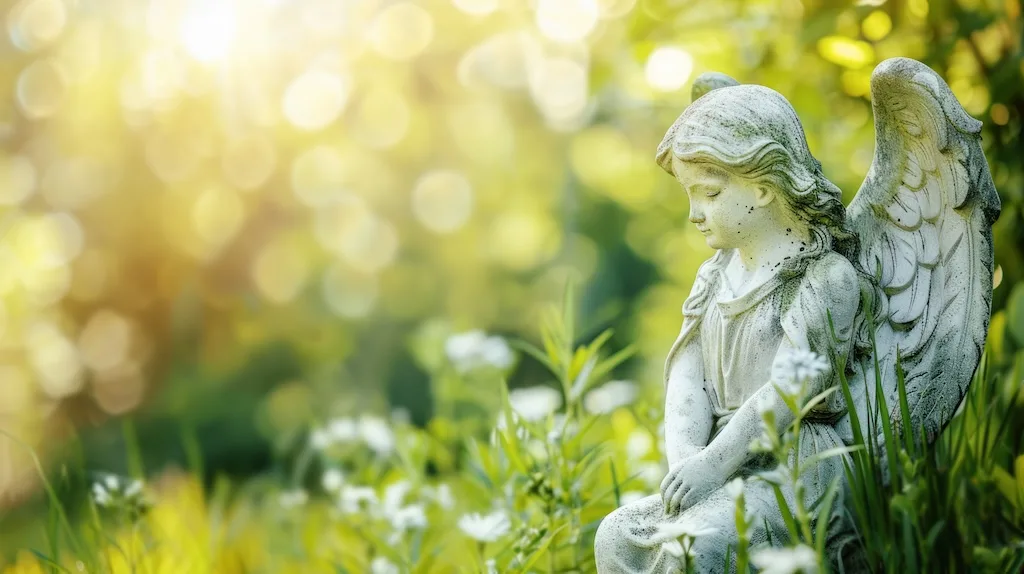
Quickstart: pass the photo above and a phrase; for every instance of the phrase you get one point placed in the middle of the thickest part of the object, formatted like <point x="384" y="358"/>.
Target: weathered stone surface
<point x="910" y="260"/>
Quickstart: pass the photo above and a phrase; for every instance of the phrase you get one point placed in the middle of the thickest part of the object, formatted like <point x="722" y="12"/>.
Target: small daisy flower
<point x="801" y="558"/>
<point x="394" y="495"/>
<point x="610" y="396"/>
<point x="332" y="480"/>
<point x="381" y="565"/>
<point x="485" y="528"/>
<point x="535" y="403"/>
<point x="320" y="439"/>
<point x="791" y="368"/>
<point x="734" y="488"/>
<point x="343" y="430"/>
<point x="686" y="526"/>
<point x="442" y="495"/>
<point x="377" y="435"/>
<point x="474" y="349"/>
<point x="112" y="491"/>
<point x="412" y="517"/>
<point x="356" y="499"/>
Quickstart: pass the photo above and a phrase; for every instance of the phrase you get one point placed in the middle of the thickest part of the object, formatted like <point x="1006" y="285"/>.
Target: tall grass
<point x="956" y="505"/>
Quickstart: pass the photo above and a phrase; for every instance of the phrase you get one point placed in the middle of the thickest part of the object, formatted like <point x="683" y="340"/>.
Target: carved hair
<point x="753" y="132"/>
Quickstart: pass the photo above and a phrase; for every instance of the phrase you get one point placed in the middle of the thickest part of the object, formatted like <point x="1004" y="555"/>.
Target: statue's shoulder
<point x="832" y="273"/>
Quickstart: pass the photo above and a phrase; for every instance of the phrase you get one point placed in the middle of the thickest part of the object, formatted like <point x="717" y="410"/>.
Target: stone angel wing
<point x="924" y="215"/>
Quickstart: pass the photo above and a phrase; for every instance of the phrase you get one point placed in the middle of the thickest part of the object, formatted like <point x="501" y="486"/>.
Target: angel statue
<point x="909" y="264"/>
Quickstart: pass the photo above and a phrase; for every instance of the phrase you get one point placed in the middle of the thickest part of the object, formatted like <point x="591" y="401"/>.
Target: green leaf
<point x="787" y="515"/>
<point x="536" y="353"/>
<point x="606" y="366"/>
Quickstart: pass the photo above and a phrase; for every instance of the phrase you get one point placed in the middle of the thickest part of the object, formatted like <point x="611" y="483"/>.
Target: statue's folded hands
<point x="690" y="480"/>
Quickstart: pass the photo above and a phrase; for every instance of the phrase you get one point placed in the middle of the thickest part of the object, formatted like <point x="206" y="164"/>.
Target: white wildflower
<point x="354" y="499"/>
<point x="343" y="430"/>
<point x="320" y="439"/>
<point x="778" y="475"/>
<point x="409" y="518"/>
<point x="771" y="560"/>
<point x="101" y="495"/>
<point x="485" y="528"/>
<point x="492" y="566"/>
<point x="674" y="548"/>
<point x="289" y="499"/>
<point x="734" y="488"/>
<point x="496" y="352"/>
<point x="443" y="496"/>
<point x="473" y="349"/>
<point x="111" y="490"/>
<point x="381" y="565"/>
<point x="377" y="435"/>
<point x="394" y="495"/>
<point x="793" y="367"/>
<point x="686" y="526"/>
<point x="610" y="396"/>
<point x="639" y="444"/>
<point x="332" y="480"/>
<point x="133" y="489"/>
<point x="631" y="497"/>
<point x="535" y="403"/>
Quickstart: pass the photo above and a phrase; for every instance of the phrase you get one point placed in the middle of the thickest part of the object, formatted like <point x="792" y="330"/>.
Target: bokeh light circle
<point x="668" y="68"/>
<point x="33" y="24"/>
<point x="55" y="360"/>
<point x="318" y="176"/>
<point x="248" y="162"/>
<point x="567" y="20"/>
<point x="17" y="179"/>
<point x="40" y="89"/>
<point x="402" y="31"/>
<point x="559" y="88"/>
<point x="280" y="271"/>
<point x="382" y="119"/>
<point x="349" y="294"/>
<point x="476" y="7"/>
<point x="105" y="340"/>
<point x="442" y="200"/>
<point x="314" y="99"/>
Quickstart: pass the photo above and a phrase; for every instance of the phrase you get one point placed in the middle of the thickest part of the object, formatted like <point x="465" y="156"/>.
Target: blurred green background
<point x="238" y="218"/>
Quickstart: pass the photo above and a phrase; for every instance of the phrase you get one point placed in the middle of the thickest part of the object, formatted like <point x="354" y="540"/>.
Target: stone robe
<point x="738" y="339"/>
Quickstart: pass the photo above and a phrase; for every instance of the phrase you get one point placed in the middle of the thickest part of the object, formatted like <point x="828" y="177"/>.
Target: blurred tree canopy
<point x="241" y="216"/>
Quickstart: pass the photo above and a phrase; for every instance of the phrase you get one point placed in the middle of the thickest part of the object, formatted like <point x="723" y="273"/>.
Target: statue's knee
<point x="607" y="531"/>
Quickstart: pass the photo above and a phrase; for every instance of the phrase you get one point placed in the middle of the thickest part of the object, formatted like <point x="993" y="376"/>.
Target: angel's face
<point x="724" y="207"/>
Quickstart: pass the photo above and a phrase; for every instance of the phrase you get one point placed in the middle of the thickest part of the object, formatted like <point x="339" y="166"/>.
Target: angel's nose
<point x="696" y="215"/>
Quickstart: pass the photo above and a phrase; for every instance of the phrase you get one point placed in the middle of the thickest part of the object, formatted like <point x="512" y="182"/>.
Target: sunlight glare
<point x="209" y="29"/>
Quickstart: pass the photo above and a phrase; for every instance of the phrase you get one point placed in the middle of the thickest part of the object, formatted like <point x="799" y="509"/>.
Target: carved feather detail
<point x="925" y="215"/>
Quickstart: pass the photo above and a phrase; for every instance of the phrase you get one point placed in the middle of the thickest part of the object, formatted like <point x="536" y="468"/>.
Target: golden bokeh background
<point x="215" y="211"/>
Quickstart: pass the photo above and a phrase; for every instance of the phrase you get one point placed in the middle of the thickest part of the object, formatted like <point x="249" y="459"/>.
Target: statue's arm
<point x="688" y="413"/>
<point x="826" y="290"/>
